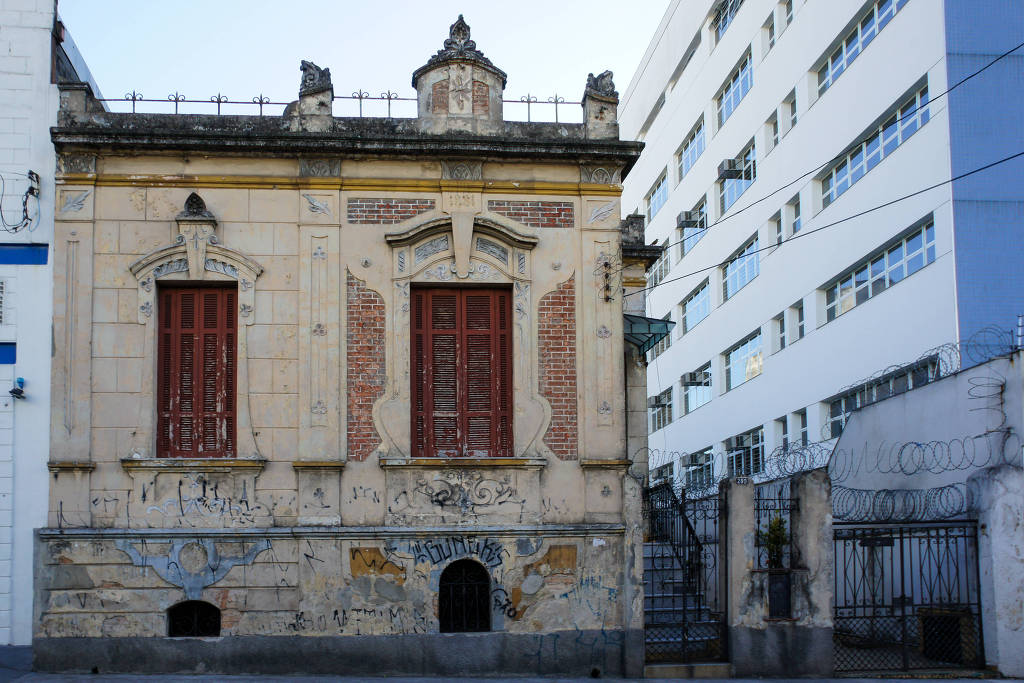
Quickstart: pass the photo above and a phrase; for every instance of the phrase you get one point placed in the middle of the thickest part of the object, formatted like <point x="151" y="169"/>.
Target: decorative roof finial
<point x="195" y="207"/>
<point x="314" y="79"/>
<point x="601" y="85"/>
<point x="459" y="45"/>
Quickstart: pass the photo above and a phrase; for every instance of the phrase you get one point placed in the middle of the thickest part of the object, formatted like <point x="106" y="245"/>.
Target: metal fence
<point x="360" y="103"/>
<point x="907" y="597"/>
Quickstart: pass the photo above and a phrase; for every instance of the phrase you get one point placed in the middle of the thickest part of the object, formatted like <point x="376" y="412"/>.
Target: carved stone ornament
<point x="320" y="168"/>
<point x="462" y="170"/>
<point x="601" y="85"/>
<point x="76" y="163"/>
<point x="314" y="79"/>
<point x="458" y="46"/>
<point x="195" y="208"/>
<point x="609" y="174"/>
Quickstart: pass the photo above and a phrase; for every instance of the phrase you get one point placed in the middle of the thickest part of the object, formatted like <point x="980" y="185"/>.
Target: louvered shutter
<point x="196" y="373"/>
<point x="461" y="359"/>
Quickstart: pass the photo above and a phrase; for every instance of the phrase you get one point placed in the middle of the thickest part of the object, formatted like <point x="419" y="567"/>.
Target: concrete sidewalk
<point x="16" y="665"/>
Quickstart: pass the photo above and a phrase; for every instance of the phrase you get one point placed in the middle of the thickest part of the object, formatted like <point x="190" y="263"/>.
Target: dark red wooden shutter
<point x="196" y="373"/>
<point x="462" y="384"/>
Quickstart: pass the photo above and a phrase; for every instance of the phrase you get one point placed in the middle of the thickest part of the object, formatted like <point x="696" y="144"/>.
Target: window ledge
<point x="194" y="464"/>
<point x="318" y="464"/>
<point x="596" y="463"/>
<point x="444" y="463"/>
<point x="70" y="466"/>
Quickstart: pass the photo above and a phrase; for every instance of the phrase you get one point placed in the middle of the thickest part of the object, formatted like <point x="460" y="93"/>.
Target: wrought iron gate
<point x="682" y="611"/>
<point x="907" y="597"/>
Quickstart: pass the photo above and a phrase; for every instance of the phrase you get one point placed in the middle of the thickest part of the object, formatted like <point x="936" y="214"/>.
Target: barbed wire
<point x="32" y="191"/>
<point x="997" y="445"/>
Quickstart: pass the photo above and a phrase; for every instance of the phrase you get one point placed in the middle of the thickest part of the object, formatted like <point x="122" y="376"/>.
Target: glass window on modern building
<point x="871" y="23"/>
<point x="695" y="307"/>
<point x="657" y="197"/>
<point x="735" y="89"/>
<point x="732" y="188"/>
<point x="877" y="144"/>
<point x="742" y="267"/>
<point x="908" y="377"/>
<point x="663" y="344"/>
<point x="880" y="271"/>
<point x="696" y="388"/>
<point x="743" y="361"/>
<point x="745" y="453"/>
<point x="691" y="149"/>
<point x="724" y="15"/>
<point x="699" y="470"/>
<point x="660" y="408"/>
<point x="694" y="230"/>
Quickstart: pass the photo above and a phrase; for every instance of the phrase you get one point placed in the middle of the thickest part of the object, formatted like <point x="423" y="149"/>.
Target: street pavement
<point x="16" y="665"/>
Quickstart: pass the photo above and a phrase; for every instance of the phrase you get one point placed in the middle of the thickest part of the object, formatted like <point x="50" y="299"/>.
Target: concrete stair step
<point x="693" y="670"/>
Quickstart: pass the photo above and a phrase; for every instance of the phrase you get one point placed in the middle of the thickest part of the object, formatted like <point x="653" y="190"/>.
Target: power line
<point x="805" y="233"/>
<point x="839" y="156"/>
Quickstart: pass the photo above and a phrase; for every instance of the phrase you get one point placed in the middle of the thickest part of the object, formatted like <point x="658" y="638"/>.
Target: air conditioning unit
<point x="730" y="168"/>
<point x="656" y="402"/>
<point x="688" y="219"/>
<point x="695" y="379"/>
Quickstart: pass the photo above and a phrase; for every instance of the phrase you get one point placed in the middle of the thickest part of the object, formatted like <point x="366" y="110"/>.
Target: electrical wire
<point x="806" y="233"/>
<point x="32" y="191"/>
<point x="931" y="100"/>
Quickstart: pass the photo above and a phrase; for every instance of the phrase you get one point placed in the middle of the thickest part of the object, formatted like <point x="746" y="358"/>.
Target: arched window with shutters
<point x="463" y="604"/>
<point x="462" y="372"/>
<point x="196" y="351"/>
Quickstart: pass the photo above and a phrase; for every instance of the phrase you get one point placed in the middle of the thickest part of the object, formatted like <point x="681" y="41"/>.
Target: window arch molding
<point x="454" y="250"/>
<point x="197" y="255"/>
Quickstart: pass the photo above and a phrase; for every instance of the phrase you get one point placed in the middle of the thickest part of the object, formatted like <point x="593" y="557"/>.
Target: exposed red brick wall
<point x="439" y="97"/>
<point x="535" y="214"/>
<point x="373" y="210"/>
<point x="366" y="371"/>
<point x="556" y="316"/>
<point x="481" y="98"/>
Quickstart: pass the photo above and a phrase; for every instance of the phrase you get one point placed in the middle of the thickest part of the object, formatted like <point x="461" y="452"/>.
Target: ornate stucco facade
<point x="319" y="536"/>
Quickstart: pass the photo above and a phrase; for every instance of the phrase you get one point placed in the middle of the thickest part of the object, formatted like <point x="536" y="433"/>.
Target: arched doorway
<point x="463" y="598"/>
<point x="193" y="618"/>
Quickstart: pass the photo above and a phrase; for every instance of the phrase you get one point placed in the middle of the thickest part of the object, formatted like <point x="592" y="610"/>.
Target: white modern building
<point x="781" y="139"/>
<point x="35" y="52"/>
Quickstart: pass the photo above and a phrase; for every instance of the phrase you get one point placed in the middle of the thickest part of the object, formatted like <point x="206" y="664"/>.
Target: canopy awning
<point x="644" y="333"/>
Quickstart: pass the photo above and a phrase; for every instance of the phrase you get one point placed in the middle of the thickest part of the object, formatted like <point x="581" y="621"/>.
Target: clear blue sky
<point x="242" y="48"/>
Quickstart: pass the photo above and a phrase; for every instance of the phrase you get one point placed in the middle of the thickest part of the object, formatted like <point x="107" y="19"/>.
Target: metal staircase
<point x="679" y="624"/>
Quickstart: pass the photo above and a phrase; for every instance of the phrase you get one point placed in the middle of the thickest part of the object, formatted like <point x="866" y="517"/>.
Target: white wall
<point x="892" y="328"/>
<point x="28" y="107"/>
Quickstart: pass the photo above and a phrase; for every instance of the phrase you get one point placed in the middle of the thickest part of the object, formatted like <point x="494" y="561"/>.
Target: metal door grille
<point x="907" y="597"/>
<point x="463" y="605"/>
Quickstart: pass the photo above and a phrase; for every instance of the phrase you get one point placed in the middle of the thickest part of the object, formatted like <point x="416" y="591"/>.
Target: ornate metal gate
<point x="682" y="611"/>
<point x="907" y="597"/>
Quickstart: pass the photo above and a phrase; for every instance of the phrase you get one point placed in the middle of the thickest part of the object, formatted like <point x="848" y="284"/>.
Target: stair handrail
<point x="688" y="548"/>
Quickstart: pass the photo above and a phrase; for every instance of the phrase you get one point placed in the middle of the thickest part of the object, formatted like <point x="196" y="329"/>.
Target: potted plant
<point x="775" y="540"/>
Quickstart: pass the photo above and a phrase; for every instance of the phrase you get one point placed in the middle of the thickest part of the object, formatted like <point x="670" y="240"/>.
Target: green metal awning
<point x="644" y="333"/>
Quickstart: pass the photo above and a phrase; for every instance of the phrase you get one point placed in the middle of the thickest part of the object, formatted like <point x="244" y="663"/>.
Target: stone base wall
<point x="588" y="653"/>
<point x="342" y="600"/>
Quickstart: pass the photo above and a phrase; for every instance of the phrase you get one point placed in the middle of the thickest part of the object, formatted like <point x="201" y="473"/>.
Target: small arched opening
<point x="464" y="598"/>
<point x="193" y="618"/>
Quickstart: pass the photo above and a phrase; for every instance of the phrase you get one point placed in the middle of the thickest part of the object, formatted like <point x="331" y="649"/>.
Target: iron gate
<point x="907" y="597"/>
<point x="683" y="617"/>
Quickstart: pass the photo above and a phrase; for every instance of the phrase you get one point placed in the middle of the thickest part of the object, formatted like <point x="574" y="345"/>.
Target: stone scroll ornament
<point x="191" y="564"/>
<point x="314" y="79"/>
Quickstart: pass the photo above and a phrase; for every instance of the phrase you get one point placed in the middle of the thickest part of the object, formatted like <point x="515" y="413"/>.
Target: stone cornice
<point x="348" y="532"/>
<point x="265" y="136"/>
<point x="390" y="185"/>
